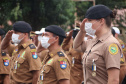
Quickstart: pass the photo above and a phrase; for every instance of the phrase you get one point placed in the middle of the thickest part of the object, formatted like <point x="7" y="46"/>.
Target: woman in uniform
<point x="101" y="59"/>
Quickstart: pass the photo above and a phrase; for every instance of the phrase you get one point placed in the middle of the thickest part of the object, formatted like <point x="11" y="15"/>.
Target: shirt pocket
<point x="47" y="73"/>
<point x="92" y="56"/>
<point x="21" y="61"/>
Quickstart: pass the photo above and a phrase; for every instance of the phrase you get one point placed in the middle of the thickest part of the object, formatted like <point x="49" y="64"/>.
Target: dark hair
<point x="113" y="32"/>
<point x="108" y="19"/>
<point x="60" y="39"/>
<point x="29" y="35"/>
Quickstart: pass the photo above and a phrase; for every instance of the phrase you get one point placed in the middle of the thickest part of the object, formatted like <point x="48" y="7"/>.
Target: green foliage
<point x="82" y="7"/>
<point x="39" y="13"/>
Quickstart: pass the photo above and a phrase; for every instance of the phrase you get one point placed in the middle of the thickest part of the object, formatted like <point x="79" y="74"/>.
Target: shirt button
<point x="78" y="74"/>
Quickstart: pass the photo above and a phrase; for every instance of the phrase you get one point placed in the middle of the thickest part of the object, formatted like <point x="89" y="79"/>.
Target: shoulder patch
<point x="3" y="53"/>
<point x="6" y="62"/>
<point x="113" y="49"/>
<point x="60" y="54"/>
<point x="34" y="55"/>
<point x="32" y="46"/>
<point x="63" y="64"/>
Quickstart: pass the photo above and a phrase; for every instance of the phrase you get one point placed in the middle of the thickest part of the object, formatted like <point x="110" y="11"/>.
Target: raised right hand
<point x="82" y="26"/>
<point x="9" y="34"/>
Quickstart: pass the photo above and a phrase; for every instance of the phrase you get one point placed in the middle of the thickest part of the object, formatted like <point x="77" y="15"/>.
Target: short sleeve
<point x="62" y="68"/>
<point x="112" y="55"/>
<point x="33" y="61"/>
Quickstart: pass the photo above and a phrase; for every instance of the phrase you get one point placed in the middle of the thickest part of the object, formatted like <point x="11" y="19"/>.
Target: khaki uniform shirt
<point x="4" y="65"/>
<point x="100" y="55"/>
<point x="43" y="54"/>
<point x="122" y="59"/>
<point x="56" y="66"/>
<point x="24" y="60"/>
<point x="75" y="57"/>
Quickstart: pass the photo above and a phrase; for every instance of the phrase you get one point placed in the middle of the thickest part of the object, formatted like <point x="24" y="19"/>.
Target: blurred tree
<point x="39" y="13"/>
<point x="82" y="6"/>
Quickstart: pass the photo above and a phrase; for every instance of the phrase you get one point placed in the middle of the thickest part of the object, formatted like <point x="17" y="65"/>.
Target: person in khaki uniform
<point x="4" y="63"/>
<point x="101" y="59"/>
<point x="76" y="72"/>
<point x="25" y="64"/>
<point x="56" y="66"/>
<point x="116" y="32"/>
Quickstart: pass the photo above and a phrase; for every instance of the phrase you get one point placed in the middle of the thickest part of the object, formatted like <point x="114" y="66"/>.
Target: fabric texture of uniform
<point x="4" y="65"/>
<point x="100" y="52"/>
<point x="76" y="71"/>
<point x="24" y="60"/>
<point x="53" y="69"/>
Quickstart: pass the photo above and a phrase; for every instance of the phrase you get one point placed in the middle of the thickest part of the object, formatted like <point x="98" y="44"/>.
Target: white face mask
<point x="44" y="42"/>
<point x="88" y="29"/>
<point x="85" y="38"/>
<point x="39" y="38"/>
<point x="15" y="39"/>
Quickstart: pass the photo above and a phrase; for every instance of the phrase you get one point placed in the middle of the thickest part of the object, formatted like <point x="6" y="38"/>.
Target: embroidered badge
<point x="34" y="55"/>
<point x="60" y="54"/>
<point x="113" y="49"/>
<point x="33" y="50"/>
<point x="63" y="64"/>
<point x="3" y="54"/>
<point x="6" y="62"/>
<point x="123" y="46"/>
<point x="32" y="46"/>
<point x="49" y="61"/>
<point x="22" y="56"/>
<point x="121" y="59"/>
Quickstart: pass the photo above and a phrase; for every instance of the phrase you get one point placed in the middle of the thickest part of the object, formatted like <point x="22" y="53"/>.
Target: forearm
<point x="113" y="81"/>
<point x="35" y="77"/>
<point x="66" y="43"/>
<point x="5" y="43"/>
<point x="113" y="76"/>
<point x="78" y="40"/>
<point x="6" y="79"/>
<point x="65" y="81"/>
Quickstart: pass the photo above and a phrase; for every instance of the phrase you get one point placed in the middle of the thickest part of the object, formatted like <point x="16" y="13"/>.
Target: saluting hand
<point x="82" y="26"/>
<point x="9" y="34"/>
<point x="70" y="33"/>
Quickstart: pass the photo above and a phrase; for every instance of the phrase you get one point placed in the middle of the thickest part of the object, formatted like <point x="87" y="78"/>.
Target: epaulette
<point x="32" y="46"/>
<point x="60" y="54"/>
<point x="3" y="53"/>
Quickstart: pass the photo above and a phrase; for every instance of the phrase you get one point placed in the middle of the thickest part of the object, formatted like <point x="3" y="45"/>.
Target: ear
<point x="102" y="21"/>
<point x="57" y="38"/>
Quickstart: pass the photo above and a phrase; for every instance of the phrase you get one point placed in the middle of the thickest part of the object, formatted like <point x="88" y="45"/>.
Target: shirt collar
<point x="103" y="37"/>
<point x="54" y="52"/>
<point x="25" y="45"/>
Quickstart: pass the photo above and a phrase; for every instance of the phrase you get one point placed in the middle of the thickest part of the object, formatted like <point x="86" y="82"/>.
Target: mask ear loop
<point x="98" y="26"/>
<point x="52" y="42"/>
<point x="21" y="38"/>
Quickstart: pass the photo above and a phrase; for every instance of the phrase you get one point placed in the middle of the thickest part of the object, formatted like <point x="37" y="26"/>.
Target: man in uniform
<point x="76" y="72"/>
<point x="56" y="66"/>
<point x="25" y="64"/>
<point x="116" y="32"/>
<point x="4" y="63"/>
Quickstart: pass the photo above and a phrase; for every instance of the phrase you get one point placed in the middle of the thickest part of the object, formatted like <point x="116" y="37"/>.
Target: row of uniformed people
<point x="101" y="59"/>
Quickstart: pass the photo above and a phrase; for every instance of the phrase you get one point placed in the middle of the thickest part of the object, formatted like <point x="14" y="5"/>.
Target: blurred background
<point x="65" y="13"/>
